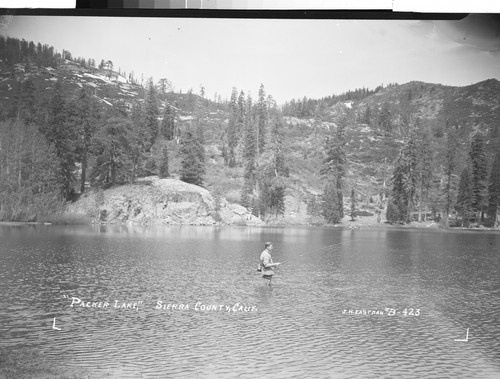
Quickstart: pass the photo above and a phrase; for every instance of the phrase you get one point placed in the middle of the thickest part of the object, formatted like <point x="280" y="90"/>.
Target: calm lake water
<point x="345" y="303"/>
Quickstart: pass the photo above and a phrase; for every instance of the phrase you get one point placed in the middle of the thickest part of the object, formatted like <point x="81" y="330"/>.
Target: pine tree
<point x="250" y="115"/>
<point x="273" y="171"/>
<point x="367" y="116"/>
<point x="494" y="191"/>
<point x="277" y="150"/>
<point x="384" y="119"/>
<point x="250" y="157"/>
<point x="479" y="174"/>
<point x="424" y="172"/>
<point x="241" y="114"/>
<point x="192" y="159"/>
<point x="232" y="133"/>
<point x="151" y="114"/>
<point x="333" y="172"/>
<point x="168" y="122"/>
<point x="139" y="140"/>
<point x="29" y="172"/>
<point x="397" y="207"/>
<point x="392" y="212"/>
<point x="465" y="196"/>
<point x="164" y="86"/>
<point x="58" y="131"/>
<point x="451" y="152"/>
<point x="175" y="127"/>
<point x="87" y="116"/>
<point x="335" y="160"/>
<point x="331" y="206"/>
<point x="411" y="177"/>
<point x="112" y="151"/>
<point x="262" y="117"/>
<point x="250" y="163"/>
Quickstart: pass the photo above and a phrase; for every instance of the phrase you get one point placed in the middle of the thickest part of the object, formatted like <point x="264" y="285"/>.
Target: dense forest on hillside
<point x="410" y="151"/>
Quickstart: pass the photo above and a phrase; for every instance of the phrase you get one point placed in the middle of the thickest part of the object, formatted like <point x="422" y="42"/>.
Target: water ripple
<point x="298" y="328"/>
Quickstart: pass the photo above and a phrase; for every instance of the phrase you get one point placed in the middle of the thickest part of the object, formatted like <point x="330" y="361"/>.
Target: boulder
<point x="159" y="201"/>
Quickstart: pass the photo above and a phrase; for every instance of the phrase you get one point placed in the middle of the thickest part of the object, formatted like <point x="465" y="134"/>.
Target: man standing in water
<point x="267" y="264"/>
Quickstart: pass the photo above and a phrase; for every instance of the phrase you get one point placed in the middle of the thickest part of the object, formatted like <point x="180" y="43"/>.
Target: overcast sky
<point x="292" y="58"/>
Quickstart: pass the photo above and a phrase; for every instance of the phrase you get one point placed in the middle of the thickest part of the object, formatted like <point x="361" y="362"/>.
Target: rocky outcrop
<point x="160" y="201"/>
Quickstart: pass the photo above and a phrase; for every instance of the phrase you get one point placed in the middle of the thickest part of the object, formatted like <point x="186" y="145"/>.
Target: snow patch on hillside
<point x="127" y="92"/>
<point x="95" y="77"/>
<point x="121" y="79"/>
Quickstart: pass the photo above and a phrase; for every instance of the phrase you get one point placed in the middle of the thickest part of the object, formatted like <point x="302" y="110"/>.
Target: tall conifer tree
<point x="232" y="133"/>
<point x="250" y="160"/>
<point x="451" y="153"/>
<point x="273" y="171"/>
<point x="397" y="206"/>
<point x="333" y="172"/>
<point x="411" y="177"/>
<point x="151" y="113"/>
<point x="30" y="186"/>
<point x="262" y="115"/>
<point x="59" y="131"/>
<point x="465" y="196"/>
<point x="87" y="118"/>
<point x="331" y="206"/>
<point x="494" y="191"/>
<point x="112" y="150"/>
<point x="192" y="159"/>
<point x="139" y="139"/>
<point x="384" y="119"/>
<point x="424" y="171"/>
<point x="168" y="122"/>
<point x="164" y="166"/>
<point x="479" y="174"/>
<point x="241" y="114"/>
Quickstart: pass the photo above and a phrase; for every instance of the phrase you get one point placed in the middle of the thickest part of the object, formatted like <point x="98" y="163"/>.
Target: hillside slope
<point x="371" y="151"/>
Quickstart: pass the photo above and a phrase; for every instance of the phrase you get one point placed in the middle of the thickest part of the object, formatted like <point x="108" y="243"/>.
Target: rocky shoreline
<point x="155" y="201"/>
<point x="159" y="201"/>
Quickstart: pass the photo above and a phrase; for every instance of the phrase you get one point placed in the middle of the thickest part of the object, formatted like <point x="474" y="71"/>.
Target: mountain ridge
<point x="371" y="150"/>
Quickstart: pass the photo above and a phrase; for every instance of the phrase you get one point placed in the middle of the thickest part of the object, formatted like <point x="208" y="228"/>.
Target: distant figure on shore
<point x="267" y="265"/>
